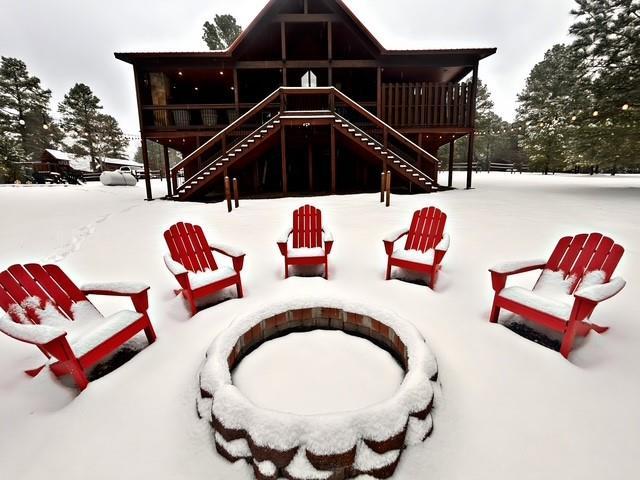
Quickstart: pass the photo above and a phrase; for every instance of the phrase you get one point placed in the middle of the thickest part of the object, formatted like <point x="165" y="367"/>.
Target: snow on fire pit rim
<point x="326" y="433"/>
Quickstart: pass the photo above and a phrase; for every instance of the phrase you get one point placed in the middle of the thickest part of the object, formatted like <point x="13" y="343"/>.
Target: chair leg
<point x="326" y="269"/>
<point x="434" y="277"/>
<point x="150" y="332"/>
<point x="239" y="287"/>
<point x="34" y="371"/>
<point x="286" y="269"/>
<point x="190" y="301"/>
<point x="78" y="374"/>
<point x="568" y="338"/>
<point x="495" y="312"/>
<point x="388" y="276"/>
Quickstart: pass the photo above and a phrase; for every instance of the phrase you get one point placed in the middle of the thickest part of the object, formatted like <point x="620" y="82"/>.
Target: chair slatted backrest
<point x="307" y="227"/>
<point x="426" y="230"/>
<point x="189" y="247"/>
<point x="46" y="282"/>
<point x="576" y="256"/>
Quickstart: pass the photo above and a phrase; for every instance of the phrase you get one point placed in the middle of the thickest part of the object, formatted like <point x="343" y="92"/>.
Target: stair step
<point x="396" y="161"/>
<point x="263" y="131"/>
<point x="358" y="134"/>
<point x="351" y="130"/>
<point x="206" y="174"/>
<point x="409" y="170"/>
<point x="415" y="174"/>
<point x="251" y="140"/>
<point x="244" y="145"/>
<point x="230" y="155"/>
<point x="200" y="178"/>
<point x="371" y="144"/>
<point x="377" y="148"/>
<point x="257" y="135"/>
<point x="276" y="122"/>
<point x="422" y="179"/>
<point x="269" y="127"/>
<point x="390" y="157"/>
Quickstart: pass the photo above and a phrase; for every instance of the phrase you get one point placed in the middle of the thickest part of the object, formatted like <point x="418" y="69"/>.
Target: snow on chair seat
<point x="192" y="263"/>
<point x="46" y="309"/>
<point x="306" y="242"/>
<point x="574" y="280"/>
<point x="426" y="244"/>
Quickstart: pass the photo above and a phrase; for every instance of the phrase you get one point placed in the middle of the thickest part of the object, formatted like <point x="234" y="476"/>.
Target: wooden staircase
<point x="389" y="159"/>
<point x="394" y="151"/>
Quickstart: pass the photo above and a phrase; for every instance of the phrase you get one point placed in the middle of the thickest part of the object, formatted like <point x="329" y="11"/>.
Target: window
<point x="309" y="79"/>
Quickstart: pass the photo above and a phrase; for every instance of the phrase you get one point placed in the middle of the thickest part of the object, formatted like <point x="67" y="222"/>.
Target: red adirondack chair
<point x="425" y="247"/>
<point x="45" y="308"/>
<point x="191" y="261"/>
<point x="574" y="280"/>
<point x="311" y="244"/>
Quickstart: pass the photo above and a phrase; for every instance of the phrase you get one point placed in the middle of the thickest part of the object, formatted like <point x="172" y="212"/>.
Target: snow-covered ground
<point x="510" y="408"/>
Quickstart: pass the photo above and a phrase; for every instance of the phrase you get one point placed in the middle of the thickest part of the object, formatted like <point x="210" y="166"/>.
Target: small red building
<point x="305" y="101"/>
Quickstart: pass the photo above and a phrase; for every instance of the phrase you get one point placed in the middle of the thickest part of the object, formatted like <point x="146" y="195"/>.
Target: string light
<point x="625" y="106"/>
<point x="596" y="113"/>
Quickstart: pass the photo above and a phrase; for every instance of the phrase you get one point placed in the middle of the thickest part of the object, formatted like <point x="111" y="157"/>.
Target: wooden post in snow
<point x="236" y="197"/>
<point x="383" y="186"/>
<point x="227" y="193"/>
<point x="388" y="187"/>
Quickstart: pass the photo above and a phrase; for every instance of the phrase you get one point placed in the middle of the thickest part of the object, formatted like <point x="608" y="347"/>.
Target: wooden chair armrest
<point x="600" y="293"/>
<point x="283" y="241"/>
<point x="328" y="245"/>
<point x="138" y="292"/>
<point x="40" y="335"/>
<point x="176" y="268"/>
<point x="236" y="255"/>
<point x="499" y="273"/>
<point x="393" y="237"/>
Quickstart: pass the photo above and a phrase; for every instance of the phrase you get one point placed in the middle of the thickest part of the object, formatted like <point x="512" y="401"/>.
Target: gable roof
<point x="480" y="53"/>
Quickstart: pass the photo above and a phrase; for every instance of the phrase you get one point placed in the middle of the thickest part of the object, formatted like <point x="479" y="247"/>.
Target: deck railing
<point x="304" y="99"/>
<point x="427" y="104"/>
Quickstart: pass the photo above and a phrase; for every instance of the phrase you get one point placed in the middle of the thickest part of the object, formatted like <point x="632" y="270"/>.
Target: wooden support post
<point x="330" y="51"/>
<point x="474" y="90"/>
<point x="145" y="153"/>
<point x="236" y="93"/>
<point x="470" y="159"/>
<point x="333" y="160"/>
<point x="310" y="164"/>
<point x="167" y="169"/>
<point x="383" y="185"/>
<point x="283" y="158"/>
<point x="452" y="144"/>
<point x="379" y="93"/>
<point x="236" y="195"/>
<point x="145" y="163"/>
<point x="388" y="187"/>
<point x="227" y="193"/>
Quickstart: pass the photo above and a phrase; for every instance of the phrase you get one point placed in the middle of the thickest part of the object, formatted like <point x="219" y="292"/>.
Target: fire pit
<point x="328" y="446"/>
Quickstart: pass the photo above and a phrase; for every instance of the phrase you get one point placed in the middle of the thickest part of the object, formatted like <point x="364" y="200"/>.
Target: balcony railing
<point x="427" y="104"/>
<point x="191" y="116"/>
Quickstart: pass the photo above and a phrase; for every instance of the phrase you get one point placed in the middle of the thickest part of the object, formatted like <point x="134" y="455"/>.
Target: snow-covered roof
<point x="83" y="163"/>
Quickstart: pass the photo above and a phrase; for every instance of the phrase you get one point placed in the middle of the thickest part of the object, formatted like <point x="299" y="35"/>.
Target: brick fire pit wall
<point x="336" y="446"/>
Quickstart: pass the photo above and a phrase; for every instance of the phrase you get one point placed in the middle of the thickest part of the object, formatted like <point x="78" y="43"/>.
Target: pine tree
<point x="111" y="141"/>
<point x="607" y="44"/>
<point x="11" y="155"/>
<point x="155" y="152"/>
<point x="555" y="88"/>
<point x="221" y="33"/>
<point x="80" y="112"/>
<point x="24" y="109"/>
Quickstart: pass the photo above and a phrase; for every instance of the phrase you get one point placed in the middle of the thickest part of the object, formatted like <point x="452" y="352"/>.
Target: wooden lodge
<point x="305" y="101"/>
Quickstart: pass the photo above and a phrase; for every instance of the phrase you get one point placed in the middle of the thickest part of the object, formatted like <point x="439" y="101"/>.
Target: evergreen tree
<point x="221" y="33"/>
<point x="607" y="43"/>
<point x="111" y="141"/>
<point x="92" y="133"/>
<point x="11" y="156"/>
<point x="80" y="112"/>
<point x="546" y="105"/>
<point x="24" y="109"/>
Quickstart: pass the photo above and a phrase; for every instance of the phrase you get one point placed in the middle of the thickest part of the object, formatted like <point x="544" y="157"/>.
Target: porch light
<point x="195" y="88"/>
<point x="179" y="74"/>
<point x="625" y="106"/>
<point x="221" y="72"/>
<point x="233" y="88"/>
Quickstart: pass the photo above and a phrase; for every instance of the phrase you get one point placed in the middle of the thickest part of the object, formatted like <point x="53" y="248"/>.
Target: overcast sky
<point x="69" y="41"/>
